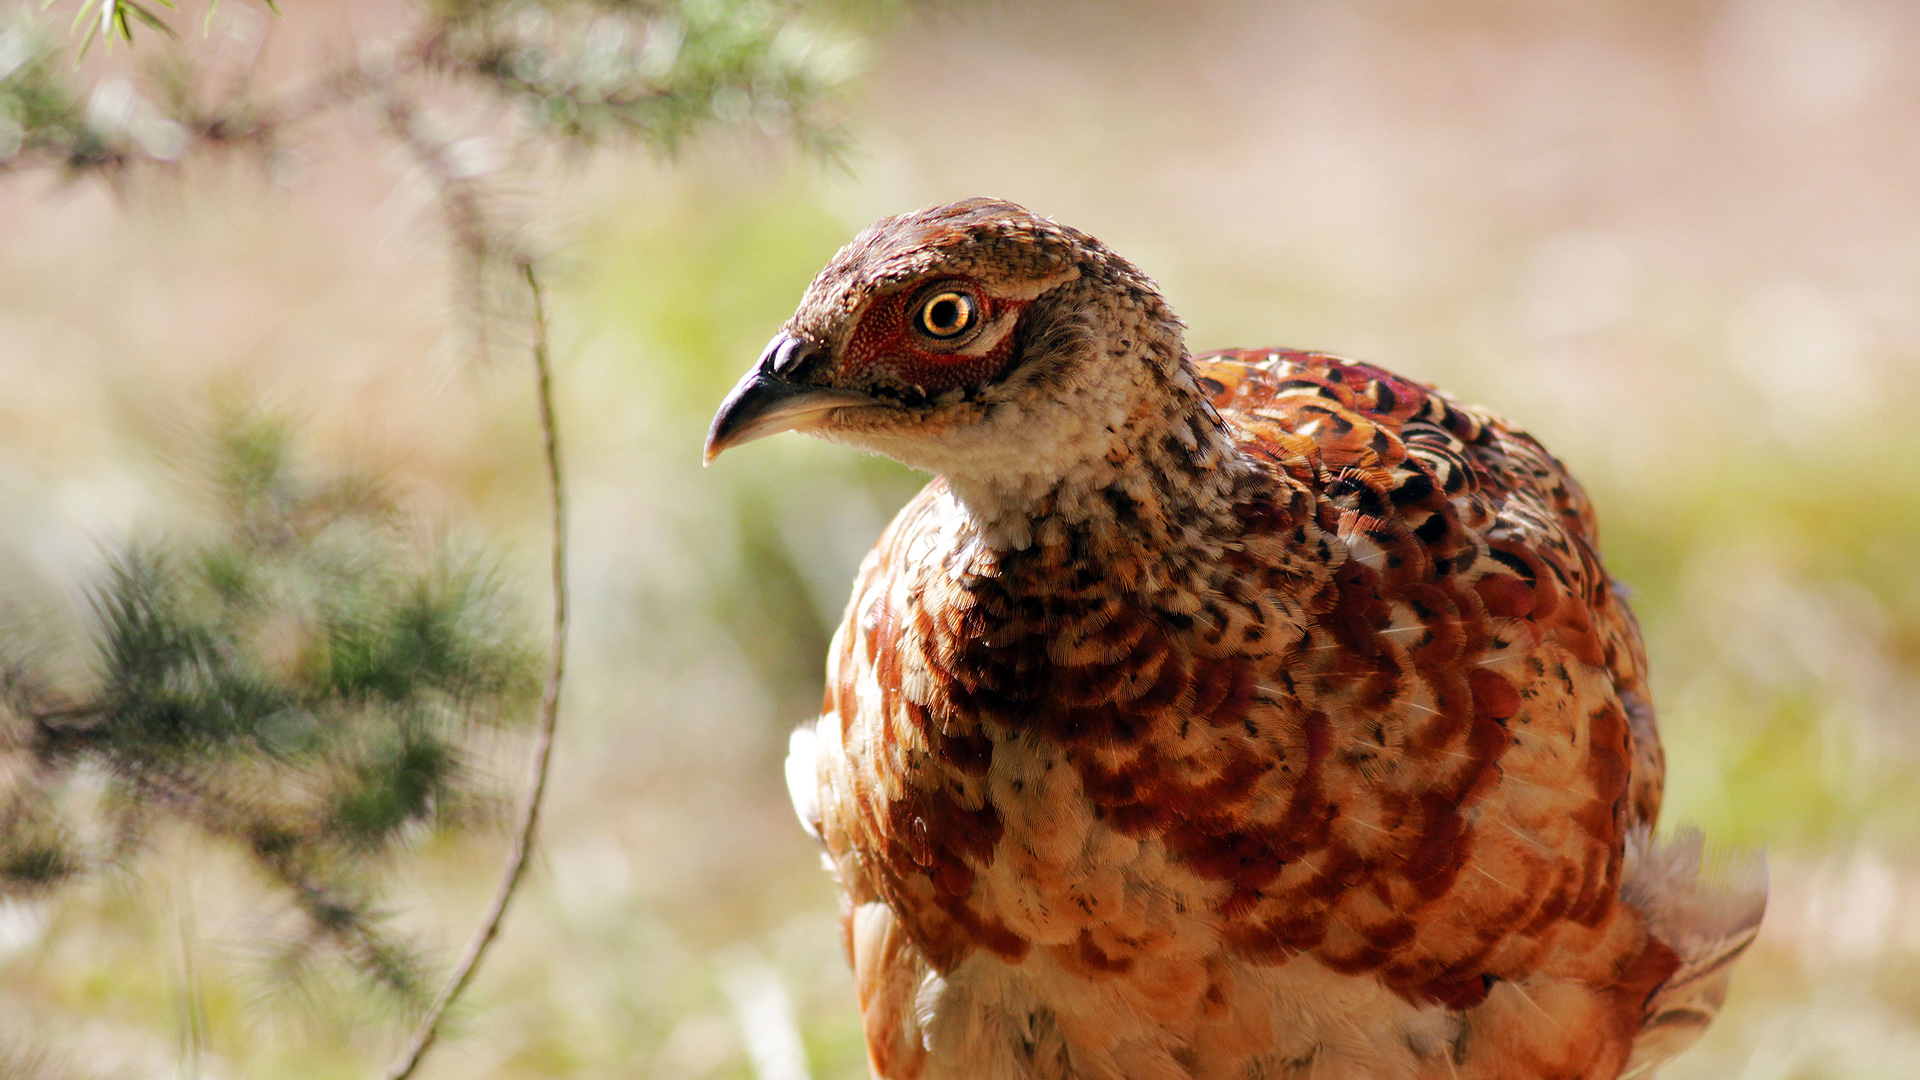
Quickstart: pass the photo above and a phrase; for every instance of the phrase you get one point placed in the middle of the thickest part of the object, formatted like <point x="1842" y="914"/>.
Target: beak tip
<point x="766" y="401"/>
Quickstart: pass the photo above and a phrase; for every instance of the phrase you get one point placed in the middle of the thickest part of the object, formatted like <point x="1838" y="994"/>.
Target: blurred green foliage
<point x="306" y="683"/>
<point x="575" y="73"/>
<point x="1781" y="604"/>
<point x="652" y="70"/>
<point x="42" y="114"/>
<point x="312" y="695"/>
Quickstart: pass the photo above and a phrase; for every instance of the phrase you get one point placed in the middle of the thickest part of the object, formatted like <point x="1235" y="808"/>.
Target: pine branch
<point x="205" y="704"/>
<point x="332" y="911"/>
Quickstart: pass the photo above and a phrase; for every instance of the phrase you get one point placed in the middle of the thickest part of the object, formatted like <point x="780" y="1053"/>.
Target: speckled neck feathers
<point x="1119" y="455"/>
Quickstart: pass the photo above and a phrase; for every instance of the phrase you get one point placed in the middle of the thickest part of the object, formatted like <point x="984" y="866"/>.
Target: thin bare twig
<point x="522" y="853"/>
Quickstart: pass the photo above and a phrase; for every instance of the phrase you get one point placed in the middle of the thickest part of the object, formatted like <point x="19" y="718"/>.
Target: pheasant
<point x="1249" y="715"/>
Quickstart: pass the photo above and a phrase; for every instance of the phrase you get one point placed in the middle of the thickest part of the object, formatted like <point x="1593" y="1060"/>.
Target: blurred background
<point x="1680" y="242"/>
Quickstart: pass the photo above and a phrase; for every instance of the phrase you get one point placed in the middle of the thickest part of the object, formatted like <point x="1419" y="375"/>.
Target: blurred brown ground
<point x="1679" y="241"/>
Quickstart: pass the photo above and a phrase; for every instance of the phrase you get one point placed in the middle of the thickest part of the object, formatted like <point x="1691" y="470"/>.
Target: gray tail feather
<point x="1705" y="906"/>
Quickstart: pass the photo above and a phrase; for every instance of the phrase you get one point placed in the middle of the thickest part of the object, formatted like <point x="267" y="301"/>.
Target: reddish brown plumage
<point x="1283" y="718"/>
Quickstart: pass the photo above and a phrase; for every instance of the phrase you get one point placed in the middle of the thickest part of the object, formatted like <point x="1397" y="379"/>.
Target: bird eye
<point x="946" y="315"/>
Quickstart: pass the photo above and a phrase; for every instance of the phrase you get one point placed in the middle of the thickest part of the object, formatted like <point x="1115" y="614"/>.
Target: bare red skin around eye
<point x="885" y="349"/>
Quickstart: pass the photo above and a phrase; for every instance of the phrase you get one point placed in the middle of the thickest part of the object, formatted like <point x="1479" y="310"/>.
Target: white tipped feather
<point x="803" y="778"/>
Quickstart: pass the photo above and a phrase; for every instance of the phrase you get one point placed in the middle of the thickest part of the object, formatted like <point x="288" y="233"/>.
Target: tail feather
<point x="1708" y="910"/>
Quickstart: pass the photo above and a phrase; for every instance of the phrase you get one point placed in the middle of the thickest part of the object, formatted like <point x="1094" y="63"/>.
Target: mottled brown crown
<point x="1002" y="247"/>
<point x="992" y="239"/>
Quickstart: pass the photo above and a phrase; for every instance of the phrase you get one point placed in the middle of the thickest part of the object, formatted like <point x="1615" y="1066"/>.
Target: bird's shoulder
<point x="1382" y="446"/>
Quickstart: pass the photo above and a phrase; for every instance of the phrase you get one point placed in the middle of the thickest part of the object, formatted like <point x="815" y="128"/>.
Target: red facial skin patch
<point x="886" y="350"/>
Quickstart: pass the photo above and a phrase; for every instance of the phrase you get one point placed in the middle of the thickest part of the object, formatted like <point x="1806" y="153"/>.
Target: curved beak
<point x="767" y="401"/>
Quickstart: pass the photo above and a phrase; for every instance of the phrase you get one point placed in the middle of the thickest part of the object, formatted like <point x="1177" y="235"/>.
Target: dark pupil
<point x="944" y="316"/>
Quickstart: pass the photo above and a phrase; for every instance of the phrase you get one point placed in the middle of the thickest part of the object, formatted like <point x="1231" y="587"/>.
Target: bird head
<point x="975" y="340"/>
